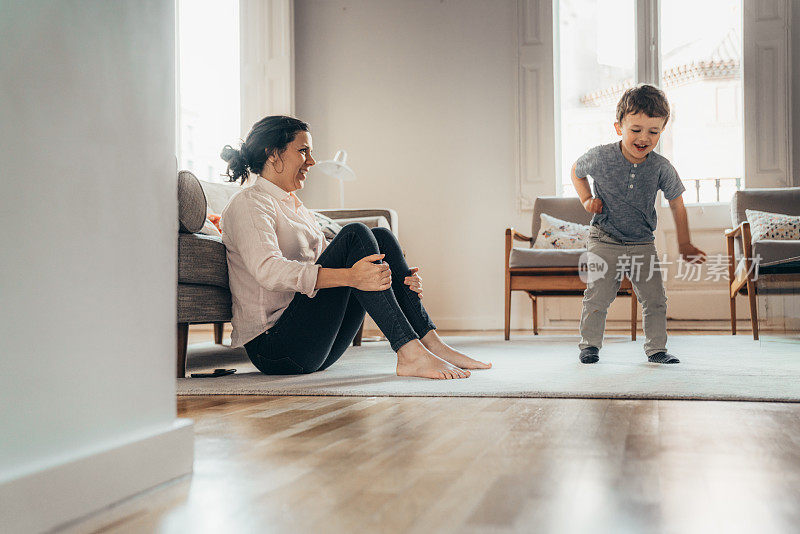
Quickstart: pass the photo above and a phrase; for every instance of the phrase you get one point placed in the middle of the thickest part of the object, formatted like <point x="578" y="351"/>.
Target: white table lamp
<point x="338" y="169"/>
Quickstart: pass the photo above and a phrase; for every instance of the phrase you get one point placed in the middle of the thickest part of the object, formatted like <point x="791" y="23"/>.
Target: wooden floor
<point x="339" y="464"/>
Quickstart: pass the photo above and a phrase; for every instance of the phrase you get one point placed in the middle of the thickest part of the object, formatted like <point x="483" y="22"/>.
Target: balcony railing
<point x="698" y="190"/>
<point x="703" y="190"/>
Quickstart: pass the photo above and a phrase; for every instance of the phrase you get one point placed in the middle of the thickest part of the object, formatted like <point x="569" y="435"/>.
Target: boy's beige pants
<point x="639" y="261"/>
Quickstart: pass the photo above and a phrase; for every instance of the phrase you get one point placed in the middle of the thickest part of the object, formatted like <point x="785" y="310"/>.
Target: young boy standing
<point x="627" y="175"/>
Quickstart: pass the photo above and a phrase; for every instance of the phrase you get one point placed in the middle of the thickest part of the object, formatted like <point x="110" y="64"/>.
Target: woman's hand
<point x="593" y="205"/>
<point x="368" y="276"/>
<point x="414" y="281"/>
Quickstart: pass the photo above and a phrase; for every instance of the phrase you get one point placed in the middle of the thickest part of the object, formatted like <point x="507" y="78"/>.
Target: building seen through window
<point x="701" y="74"/>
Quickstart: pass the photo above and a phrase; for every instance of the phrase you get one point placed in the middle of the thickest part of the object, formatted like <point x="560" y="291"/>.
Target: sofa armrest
<point x="338" y="214"/>
<point x="511" y="236"/>
<point x="734" y="232"/>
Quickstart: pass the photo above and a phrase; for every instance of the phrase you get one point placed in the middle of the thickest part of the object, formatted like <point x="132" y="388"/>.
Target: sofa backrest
<point x="774" y="200"/>
<point x="219" y="194"/>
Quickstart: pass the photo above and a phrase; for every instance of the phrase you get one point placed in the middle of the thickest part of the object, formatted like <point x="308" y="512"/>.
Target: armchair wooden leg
<point x="751" y="294"/>
<point x="359" y="335"/>
<point x="534" y="305"/>
<point x="508" y="309"/>
<point x="183" y="339"/>
<point x="634" y="308"/>
<point x="733" y="314"/>
<point x="218" y="333"/>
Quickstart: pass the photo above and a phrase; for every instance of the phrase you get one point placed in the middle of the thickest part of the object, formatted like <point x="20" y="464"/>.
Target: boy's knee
<point x="654" y="303"/>
<point x="601" y="292"/>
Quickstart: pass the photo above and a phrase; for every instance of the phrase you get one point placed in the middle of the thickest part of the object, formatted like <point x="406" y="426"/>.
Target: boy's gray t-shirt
<point x="628" y="190"/>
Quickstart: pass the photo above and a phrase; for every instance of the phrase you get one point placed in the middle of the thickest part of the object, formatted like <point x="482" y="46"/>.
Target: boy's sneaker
<point x="590" y="355"/>
<point x="662" y="357"/>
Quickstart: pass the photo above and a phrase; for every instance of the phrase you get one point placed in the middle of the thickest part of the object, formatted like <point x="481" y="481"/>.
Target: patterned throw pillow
<point x="329" y="227"/>
<point x="211" y="225"/>
<point x="766" y="225"/>
<point x="558" y="234"/>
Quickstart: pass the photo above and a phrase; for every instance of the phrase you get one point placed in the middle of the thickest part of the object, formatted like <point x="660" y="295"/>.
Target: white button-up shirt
<point x="272" y="242"/>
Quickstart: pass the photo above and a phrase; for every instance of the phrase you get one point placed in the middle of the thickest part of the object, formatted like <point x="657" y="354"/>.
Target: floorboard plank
<point x="417" y="464"/>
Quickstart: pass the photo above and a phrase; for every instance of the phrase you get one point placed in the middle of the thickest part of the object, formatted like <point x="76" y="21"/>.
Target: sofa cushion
<point x="533" y="257"/>
<point x="219" y="194"/>
<point x="768" y="225"/>
<point x="202" y="260"/>
<point x="191" y="203"/>
<point x="775" y="251"/>
<point x="329" y="227"/>
<point x="203" y="304"/>
<point x="556" y="233"/>
<point x="565" y="208"/>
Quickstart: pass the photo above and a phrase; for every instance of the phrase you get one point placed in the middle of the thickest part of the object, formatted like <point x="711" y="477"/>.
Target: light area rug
<point x="712" y="367"/>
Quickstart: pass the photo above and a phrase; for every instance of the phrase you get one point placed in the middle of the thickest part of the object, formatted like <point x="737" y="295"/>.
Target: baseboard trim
<point x="57" y="496"/>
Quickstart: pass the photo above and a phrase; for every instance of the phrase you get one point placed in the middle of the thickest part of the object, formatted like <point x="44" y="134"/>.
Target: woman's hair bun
<point x="228" y="153"/>
<point x="237" y="163"/>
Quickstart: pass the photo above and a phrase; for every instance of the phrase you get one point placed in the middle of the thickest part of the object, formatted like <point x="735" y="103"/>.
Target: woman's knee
<point x="355" y="228"/>
<point x="382" y="233"/>
<point x="359" y="230"/>
<point x="386" y="240"/>
<point x="360" y="234"/>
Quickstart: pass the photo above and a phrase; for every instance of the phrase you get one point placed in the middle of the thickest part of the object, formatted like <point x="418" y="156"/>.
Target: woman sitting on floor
<point x="298" y="301"/>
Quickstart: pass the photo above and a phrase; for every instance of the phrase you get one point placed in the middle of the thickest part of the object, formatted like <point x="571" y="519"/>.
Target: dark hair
<point x="268" y="136"/>
<point x="643" y="98"/>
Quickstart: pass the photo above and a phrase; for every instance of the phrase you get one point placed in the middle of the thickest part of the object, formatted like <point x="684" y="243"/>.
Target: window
<point x="597" y="49"/>
<point x="208" y="97"/>
<point x="701" y="73"/>
<point x="699" y="58"/>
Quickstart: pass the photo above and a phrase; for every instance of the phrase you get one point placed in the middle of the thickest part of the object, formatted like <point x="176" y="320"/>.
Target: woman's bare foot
<point x="434" y="343"/>
<point x="413" y="359"/>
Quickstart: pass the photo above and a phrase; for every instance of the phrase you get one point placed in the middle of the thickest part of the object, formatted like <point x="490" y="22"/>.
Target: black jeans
<point x="312" y="333"/>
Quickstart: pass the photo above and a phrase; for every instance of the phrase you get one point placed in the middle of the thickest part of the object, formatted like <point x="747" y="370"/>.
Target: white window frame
<point x="766" y="72"/>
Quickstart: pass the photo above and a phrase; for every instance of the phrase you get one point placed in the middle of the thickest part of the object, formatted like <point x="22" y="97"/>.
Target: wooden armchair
<point x="767" y="259"/>
<point x="743" y="282"/>
<point x="549" y="273"/>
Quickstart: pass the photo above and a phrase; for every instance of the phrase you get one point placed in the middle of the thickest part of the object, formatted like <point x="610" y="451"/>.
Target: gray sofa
<point x="203" y="294"/>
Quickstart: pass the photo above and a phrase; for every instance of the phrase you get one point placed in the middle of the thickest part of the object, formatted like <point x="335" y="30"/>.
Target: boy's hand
<point x="691" y="253"/>
<point x="593" y="205"/>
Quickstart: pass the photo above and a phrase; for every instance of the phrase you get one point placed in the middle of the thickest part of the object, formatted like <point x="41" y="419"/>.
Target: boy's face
<point x="640" y="134"/>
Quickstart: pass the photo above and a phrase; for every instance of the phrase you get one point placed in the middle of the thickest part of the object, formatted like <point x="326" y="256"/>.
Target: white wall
<point x="88" y="210"/>
<point x="422" y="96"/>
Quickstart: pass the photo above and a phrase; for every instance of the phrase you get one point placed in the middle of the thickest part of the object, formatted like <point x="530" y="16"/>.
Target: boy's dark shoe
<point x="590" y="355"/>
<point x="662" y="357"/>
